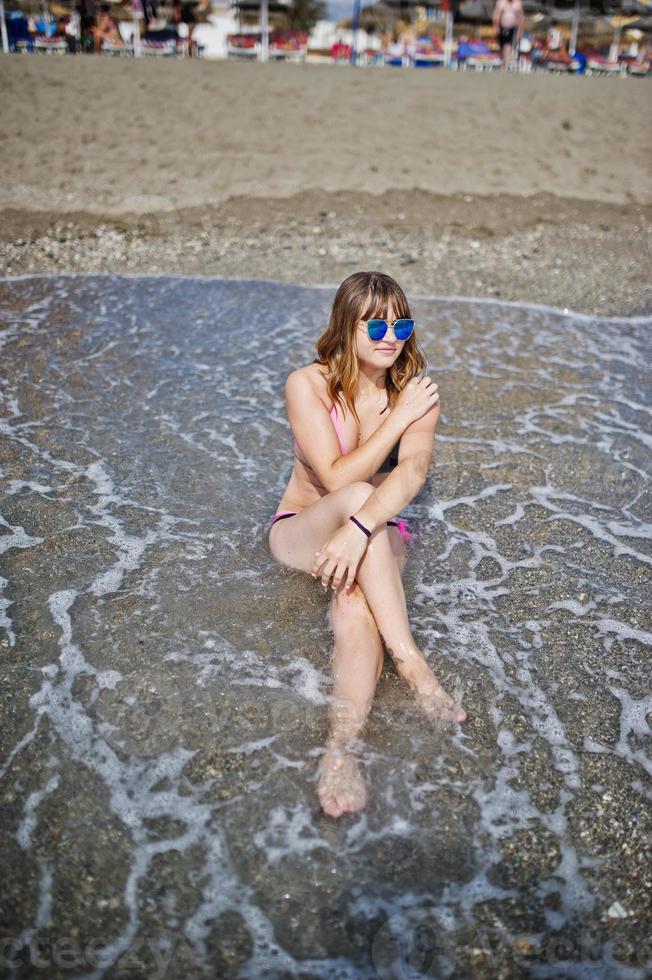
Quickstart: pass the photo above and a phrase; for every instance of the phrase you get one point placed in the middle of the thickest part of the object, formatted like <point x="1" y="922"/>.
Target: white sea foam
<point x="158" y="467"/>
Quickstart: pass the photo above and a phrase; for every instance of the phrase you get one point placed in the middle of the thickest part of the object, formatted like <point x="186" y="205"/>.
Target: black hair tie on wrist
<point x="361" y="526"/>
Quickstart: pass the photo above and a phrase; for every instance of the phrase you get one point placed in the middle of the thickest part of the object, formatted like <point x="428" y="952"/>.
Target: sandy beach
<point x="167" y="682"/>
<point x="517" y="187"/>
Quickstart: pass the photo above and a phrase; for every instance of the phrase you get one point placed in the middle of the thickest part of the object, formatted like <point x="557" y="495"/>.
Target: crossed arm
<point x="406" y="480"/>
<point x="313" y="428"/>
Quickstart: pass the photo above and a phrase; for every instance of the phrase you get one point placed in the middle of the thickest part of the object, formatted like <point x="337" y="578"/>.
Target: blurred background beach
<point x="531" y="185"/>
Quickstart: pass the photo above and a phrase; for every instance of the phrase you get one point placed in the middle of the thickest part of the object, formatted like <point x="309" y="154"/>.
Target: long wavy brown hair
<point x="364" y="296"/>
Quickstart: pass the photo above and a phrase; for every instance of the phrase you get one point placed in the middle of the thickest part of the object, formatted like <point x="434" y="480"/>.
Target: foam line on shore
<point x="485" y="301"/>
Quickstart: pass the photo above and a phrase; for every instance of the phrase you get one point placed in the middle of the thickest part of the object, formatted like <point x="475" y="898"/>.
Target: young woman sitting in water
<point x="364" y="423"/>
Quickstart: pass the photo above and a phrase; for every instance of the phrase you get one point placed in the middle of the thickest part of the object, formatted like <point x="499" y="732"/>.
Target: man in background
<point x="508" y="23"/>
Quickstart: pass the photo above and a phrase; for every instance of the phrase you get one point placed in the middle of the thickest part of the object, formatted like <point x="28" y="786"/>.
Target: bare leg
<point x="357" y="663"/>
<point x="293" y="542"/>
<point x="379" y="578"/>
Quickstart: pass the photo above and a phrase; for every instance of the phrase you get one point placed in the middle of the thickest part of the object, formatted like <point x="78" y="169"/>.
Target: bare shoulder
<point x="307" y="380"/>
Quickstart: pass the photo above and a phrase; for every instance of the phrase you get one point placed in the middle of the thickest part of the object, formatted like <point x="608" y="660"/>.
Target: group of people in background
<point x="168" y="26"/>
<point x="406" y="45"/>
<point x="508" y="23"/>
<point x="97" y="24"/>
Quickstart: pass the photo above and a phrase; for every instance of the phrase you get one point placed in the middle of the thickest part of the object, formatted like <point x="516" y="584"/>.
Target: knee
<point x="355" y="494"/>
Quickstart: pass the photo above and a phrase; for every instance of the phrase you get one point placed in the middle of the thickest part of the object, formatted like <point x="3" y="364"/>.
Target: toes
<point x="445" y="718"/>
<point x="354" y="803"/>
<point x="334" y="807"/>
<point x="442" y="708"/>
<point x="329" y="805"/>
<point x="341" y="789"/>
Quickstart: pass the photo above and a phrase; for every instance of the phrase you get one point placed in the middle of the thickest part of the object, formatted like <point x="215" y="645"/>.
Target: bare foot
<point x="341" y="786"/>
<point x="438" y="706"/>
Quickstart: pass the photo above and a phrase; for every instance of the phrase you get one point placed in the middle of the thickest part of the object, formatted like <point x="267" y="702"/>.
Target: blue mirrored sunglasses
<point x="378" y="328"/>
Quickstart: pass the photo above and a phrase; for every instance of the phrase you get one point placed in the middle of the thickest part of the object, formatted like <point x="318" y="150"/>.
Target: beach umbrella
<point x="3" y="28"/>
<point x="618" y="22"/>
<point x="448" y="39"/>
<point x="476" y="10"/>
<point x="574" y="29"/>
<point x="264" y="28"/>
<point x="136" y="14"/>
<point x="354" y="27"/>
<point x="377" y="17"/>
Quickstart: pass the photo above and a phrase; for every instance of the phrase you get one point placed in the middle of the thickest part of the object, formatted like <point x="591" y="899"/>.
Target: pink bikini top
<point x="385" y="467"/>
<point x="338" y="429"/>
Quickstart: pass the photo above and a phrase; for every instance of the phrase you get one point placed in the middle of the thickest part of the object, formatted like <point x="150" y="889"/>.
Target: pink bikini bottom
<point x="401" y="525"/>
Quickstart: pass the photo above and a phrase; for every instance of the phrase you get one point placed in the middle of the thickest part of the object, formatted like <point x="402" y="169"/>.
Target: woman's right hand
<point x="417" y="398"/>
<point x="340" y="557"/>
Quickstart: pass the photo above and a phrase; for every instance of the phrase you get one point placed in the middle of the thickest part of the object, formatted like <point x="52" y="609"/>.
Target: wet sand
<point x="166" y="682"/>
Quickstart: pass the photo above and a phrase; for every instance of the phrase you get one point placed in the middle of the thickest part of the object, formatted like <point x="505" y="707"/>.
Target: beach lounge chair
<point x="243" y="46"/>
<point x="434" y="60"/>
<point x="598" y="65"/>
<point x="50" y="45"/>
<point x="428" y="54"/>
<point x="477" y="55"/>
<point x="639" y="70"/>
<point x="288" y="45"/>
<point x="110" y="47"/>
<point x="561" y="66"/>
<point x="396" y="56"/>
<point x="484" y="62"/>
<point x="370" y="56"/>
<point x="159" y="49"/>
<point x="159" y="43"/>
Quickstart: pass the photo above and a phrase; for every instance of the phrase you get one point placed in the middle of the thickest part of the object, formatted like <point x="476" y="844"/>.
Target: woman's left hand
<point x="340" y="557"/>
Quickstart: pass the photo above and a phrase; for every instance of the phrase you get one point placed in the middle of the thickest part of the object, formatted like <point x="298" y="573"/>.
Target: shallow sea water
<point x="165" y="682"/>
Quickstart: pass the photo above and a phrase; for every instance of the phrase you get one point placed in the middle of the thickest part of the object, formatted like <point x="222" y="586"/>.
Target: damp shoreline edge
<point x="637" y="319"/>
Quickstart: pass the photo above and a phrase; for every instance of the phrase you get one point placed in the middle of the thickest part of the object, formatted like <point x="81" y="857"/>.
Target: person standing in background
<point x="73" y="31"/>
<point x="508" y="23"/>
<point x="87" y="15"/>
<point x="184" y="19"/>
